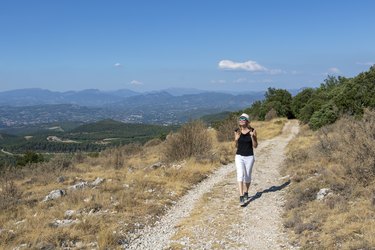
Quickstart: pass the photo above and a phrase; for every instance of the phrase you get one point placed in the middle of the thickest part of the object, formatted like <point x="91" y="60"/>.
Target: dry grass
<point x="340" y="157"/>
<point x="269" y="129"/>
<point x="134" y="193"/>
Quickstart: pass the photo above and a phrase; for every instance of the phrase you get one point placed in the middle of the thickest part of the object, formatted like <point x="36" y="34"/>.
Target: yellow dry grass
<point x="269" y="129"/>
<point x="345" y="219"/>
<point x="132" y="195"/>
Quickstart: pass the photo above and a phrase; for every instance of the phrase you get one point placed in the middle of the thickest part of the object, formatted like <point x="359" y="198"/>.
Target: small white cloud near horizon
<point x="366" y="63"/>
<point x="251" y="66"/>
<point x="331" y="71"/>
<point x="334" y="70"/>
<point x="117" y="65"/>
<point x="135" y="82"/>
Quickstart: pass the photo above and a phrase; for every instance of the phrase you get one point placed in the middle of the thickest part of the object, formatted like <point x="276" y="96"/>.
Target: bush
<point x="30" y="157"/>
<point x="353" y="147"/>
<point x="192" y="140"/>
<point x="116" y="157"/>
<point x="271" y="115"/>
<point x="9" y="194"/>
<point x="60" y="162"/>
<point x="328" y="114"/>
<point x="225" y="131"/>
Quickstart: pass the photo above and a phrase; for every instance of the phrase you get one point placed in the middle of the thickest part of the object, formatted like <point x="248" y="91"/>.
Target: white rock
<point x="79" y="185"/>
<point x="322" y="193"/>
<point x="69" y="213"/>
<point x="63" y="223"/>
<point x="22" y="246"/>
<point x="97" y="181"/>
<point x="55" y="194"/>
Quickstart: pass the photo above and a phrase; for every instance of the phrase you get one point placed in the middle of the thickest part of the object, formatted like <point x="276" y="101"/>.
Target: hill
<point x="160" y="108"/>
<point x="88" y="137"/>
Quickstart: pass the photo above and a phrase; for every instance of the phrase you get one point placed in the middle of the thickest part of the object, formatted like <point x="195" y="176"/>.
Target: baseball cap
<point x="245" y="116"/>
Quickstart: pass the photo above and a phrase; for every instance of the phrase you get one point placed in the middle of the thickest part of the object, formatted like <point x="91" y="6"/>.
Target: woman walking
<point x="245" y="138"/>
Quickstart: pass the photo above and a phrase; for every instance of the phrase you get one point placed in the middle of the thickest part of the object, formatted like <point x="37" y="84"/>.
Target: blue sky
<point x="211" y="45"/>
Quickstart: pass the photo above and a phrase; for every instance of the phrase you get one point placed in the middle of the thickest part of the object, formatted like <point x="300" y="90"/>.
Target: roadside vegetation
<point x="139" y="182"/>
<point x="337" y="162"/>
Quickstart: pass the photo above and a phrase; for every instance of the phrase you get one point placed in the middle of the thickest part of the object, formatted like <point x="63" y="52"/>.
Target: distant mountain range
<point x="34" y="106"/>
<point x="88" y="97"/>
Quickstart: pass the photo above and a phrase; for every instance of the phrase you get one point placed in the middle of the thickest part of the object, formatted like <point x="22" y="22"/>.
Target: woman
<point x="245" y="138"/>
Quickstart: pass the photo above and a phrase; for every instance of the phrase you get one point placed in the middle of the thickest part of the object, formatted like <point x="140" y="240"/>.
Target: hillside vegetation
<point x="134" y="186"/>
<point x="338" y="162"/>
<point x="91" y="137"/>
<point x="336" y="97"/>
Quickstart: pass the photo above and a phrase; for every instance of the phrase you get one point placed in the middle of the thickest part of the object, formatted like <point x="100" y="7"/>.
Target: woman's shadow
<point x="271" y="189"/>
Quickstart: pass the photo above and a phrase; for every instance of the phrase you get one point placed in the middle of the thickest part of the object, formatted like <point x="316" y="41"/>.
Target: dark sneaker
<point x="246" y="196"/>
<point x="242" y="201"/>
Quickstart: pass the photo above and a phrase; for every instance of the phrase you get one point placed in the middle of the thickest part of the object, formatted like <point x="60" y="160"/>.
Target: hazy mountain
<point x="93" y="105"/>
<point x="184" y="91"/>
<point x="88" y="97"/>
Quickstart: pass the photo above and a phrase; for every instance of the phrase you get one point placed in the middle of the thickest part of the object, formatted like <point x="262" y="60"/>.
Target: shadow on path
<point x="271" y="189"/>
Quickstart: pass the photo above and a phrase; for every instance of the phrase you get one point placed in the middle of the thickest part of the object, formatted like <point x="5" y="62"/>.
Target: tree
<point x="280" y="100"/>
<point x="300" y="101"/>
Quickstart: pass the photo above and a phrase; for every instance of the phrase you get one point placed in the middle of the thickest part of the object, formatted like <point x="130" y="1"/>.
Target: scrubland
<point x="339" y="158"/>
<point x="139" y="183"/>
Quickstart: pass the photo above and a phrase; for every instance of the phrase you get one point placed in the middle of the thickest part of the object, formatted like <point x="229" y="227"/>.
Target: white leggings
<point x="244" y="165"/>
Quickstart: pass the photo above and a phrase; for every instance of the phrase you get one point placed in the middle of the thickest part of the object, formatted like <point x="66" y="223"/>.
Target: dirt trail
<point x="209" y="216"/>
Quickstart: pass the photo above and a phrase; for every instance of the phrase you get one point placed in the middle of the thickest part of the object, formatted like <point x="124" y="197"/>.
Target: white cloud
<point x="251" y="66"/>
<point x="117" y="65"/>
<point x="366" y="63"/>
<point x="334" y="70"/>
<point x="331" y="71"/>
<point x="135" y="82"/>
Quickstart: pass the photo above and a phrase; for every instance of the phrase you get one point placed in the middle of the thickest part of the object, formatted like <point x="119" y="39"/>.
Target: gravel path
<point x="209" y="215"/>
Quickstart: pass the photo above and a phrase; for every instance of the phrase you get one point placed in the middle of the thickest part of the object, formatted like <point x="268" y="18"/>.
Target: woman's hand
<point x="253" y="133"/>
<point x="254" y="139"/>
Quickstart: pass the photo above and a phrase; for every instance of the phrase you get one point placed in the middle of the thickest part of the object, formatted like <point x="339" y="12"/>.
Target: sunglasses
<point x="243" y="119"/>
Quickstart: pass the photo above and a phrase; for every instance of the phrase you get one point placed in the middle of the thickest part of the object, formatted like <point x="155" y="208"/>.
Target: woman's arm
<point x="236" y="137"/>
<point x="254" y="139"/>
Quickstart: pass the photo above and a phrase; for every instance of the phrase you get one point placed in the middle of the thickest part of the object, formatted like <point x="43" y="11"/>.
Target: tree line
<point x="317" y="107"/>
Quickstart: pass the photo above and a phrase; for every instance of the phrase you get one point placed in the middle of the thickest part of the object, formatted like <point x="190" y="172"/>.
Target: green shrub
<point x="30" y="157"/>
<point x="328" y="114"/>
